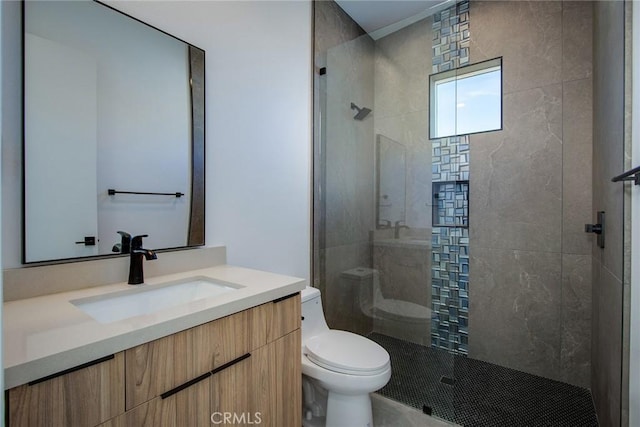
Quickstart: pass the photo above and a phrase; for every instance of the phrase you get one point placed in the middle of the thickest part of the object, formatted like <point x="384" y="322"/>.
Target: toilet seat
<point x="347" y="353"/>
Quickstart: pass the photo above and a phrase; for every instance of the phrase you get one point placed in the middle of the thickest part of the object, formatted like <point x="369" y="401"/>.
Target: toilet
<point x="396" y="318"/>
<point x="339" y="370"/>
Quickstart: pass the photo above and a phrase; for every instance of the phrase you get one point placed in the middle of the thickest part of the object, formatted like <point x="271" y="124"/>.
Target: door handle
<point x="88" y="241"/>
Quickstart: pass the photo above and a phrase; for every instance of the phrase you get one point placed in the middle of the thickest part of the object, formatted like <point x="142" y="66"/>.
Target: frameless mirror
<point x="466" y="100"/>
<point x="391" y="179"/>
<point x="113" y="133"/>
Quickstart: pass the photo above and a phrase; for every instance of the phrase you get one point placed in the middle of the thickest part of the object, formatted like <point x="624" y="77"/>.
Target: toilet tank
<point x="313" y="322"/>
<point x="364" y="282"/>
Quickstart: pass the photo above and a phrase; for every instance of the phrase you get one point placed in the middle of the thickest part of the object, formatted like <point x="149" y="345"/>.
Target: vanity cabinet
<point x="246" y="365"/>
<point x="82" y="396"/>
<point x="161" y="365"/>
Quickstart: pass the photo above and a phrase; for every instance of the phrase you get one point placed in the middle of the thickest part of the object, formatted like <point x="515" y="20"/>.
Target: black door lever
<point x="88" y="241"/>
<point x="593" y="228"/>
<point x="597" y="229"/>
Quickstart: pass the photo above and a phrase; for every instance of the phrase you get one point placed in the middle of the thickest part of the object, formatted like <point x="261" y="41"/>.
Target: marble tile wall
<point x="608" y="161"/>
<point x="343" y="162"/>
<point x="401" y="109"/>
<point x="401" y="65"/>
<point x="402" y="265"/>
<point x="530" y="195"/>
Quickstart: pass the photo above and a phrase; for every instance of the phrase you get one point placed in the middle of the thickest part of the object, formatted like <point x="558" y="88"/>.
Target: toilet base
<point x="322" y="407"/>
<point x="349" y="410"/>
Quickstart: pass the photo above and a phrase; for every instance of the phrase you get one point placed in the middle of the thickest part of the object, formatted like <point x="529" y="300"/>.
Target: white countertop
<point x="415" y="243"/>
<point x="48" y="334"/>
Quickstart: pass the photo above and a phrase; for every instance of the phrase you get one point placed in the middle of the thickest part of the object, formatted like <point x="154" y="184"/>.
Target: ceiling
<point x="374" y="16"/>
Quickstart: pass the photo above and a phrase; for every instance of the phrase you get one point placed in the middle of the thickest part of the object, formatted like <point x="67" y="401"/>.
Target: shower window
<point x="466" y="100"/>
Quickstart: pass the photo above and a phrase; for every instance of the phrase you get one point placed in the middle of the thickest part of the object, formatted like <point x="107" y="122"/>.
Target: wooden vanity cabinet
<point x="82" y="396"/>
<point x="161" y="365"/>
<point x="246" y="365"/>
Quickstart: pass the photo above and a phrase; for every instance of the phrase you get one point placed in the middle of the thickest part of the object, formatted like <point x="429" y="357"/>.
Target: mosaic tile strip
<point x="450" y="159"/>
<point x="451" y="204"/>
<point x="450" y="288"/>
<point x="450" y="177"/>
<point x="451" y="38"/>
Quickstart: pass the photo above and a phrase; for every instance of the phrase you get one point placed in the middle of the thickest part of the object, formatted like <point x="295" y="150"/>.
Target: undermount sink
<point x="147" y="299"/>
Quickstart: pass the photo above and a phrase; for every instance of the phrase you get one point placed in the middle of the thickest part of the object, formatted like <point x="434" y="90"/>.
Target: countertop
<point x="415" y="243"/>
<point x="48" y="334"/>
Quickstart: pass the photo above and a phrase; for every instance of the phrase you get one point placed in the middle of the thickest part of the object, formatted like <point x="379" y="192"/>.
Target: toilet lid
<point x="348" y="353"/>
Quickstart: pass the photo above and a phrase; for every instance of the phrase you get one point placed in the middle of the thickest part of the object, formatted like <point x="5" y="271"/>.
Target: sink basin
<point x="143" y="299"/>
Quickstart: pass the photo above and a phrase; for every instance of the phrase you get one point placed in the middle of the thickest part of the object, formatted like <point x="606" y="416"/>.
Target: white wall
<point x="258" y="118"/>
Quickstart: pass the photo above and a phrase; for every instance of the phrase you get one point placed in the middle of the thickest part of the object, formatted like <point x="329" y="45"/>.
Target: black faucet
<point x="124" y="247"/>
<point x="136" y="274"/>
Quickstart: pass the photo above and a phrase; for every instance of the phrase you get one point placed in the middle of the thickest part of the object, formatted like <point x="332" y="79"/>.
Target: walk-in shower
<point x="448" y="227"/>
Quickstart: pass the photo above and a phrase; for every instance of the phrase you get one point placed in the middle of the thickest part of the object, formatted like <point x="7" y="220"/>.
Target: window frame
<point x="460" y="73"/>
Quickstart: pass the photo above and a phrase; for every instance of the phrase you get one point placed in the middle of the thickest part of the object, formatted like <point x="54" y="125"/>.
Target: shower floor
<point x="471" y="392"/>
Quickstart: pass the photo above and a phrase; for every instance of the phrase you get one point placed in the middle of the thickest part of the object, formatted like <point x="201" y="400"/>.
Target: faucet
<point x="397" y="227"/>
<point x="136" y="274"/>
<point x="124" y="247"/>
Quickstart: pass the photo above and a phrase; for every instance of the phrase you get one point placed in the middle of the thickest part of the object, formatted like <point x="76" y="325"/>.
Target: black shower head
<point x="361" y="112"/>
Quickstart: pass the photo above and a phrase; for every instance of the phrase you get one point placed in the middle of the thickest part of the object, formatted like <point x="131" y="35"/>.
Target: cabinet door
<point x="188" y="407"/>
<point x="85" y="396"/>
<point x="163" y="364"/>
<point x="285" y="316"/>
<point x="264" y="389"/>
<point x="287" y="378"/>
<point x="242" y="394"/>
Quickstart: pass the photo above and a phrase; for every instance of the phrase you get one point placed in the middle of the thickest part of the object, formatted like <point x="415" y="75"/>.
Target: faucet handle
<point x="136" y="241"/>
<point x="124" y="247"/>
<point x="384" y="223"/>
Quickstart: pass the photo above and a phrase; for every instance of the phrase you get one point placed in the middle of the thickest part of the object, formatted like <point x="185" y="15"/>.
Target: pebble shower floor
<point x="471" y="392"/>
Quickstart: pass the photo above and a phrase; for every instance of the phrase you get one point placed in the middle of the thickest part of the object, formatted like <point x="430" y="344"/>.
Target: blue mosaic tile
<point x="450" y="170"/>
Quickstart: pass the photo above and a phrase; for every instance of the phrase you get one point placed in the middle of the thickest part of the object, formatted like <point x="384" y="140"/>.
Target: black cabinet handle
<point x="285" y="297"/>
<point x="203" y="376"/>
<point x="233" y="362"/>
<point x="68" y="371"/>
<point x="185" y="385"/>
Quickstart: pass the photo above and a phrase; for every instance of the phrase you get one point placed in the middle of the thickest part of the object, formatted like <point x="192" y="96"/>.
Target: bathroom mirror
<point x="113" y="133"/>
<point x="390" y="181"/>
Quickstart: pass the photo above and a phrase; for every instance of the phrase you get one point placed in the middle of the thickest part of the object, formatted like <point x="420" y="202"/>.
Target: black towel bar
<point x="111" y="192"/>
<point x="630" y="175"/>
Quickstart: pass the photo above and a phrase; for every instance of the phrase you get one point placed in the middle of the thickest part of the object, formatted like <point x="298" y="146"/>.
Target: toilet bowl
<point x="339" y="370"/>
<point x="397" y="318"/>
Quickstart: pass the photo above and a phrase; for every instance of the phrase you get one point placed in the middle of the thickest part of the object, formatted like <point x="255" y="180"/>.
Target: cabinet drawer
<point x="284" y="316"/>
<point x="161" y="365"/>
<point x="83" y="396"/>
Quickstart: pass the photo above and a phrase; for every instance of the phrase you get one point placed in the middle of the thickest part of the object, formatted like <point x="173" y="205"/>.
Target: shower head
<point x="361" y="112"/>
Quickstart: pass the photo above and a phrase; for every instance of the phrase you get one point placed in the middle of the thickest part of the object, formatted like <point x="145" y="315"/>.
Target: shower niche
<point x="450" y="204"/>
